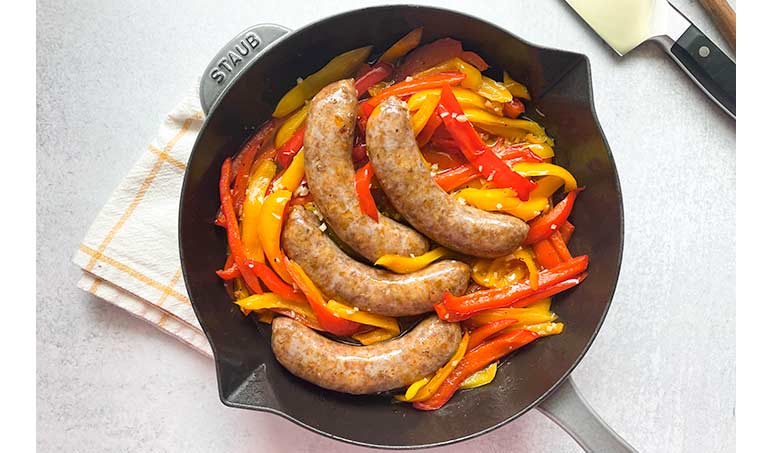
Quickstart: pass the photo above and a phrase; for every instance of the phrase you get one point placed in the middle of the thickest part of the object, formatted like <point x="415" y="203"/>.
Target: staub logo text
<point x="234" y="57"/>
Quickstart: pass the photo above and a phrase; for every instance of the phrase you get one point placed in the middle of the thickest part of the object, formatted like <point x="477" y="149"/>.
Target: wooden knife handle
<point x="724" y="17"/>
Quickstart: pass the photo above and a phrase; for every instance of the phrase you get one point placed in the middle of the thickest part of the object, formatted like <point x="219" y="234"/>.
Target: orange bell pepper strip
<point x="473" y="361"/>
<point x="546" y="255"/>
<point x="329" y="321"/>
<point x="457" y="308"/>
<point x="362" y="184"/>
<point x="415" y="85"/>
<point x="229" y="270"/>
<point x="405" y="44"/>
<point x="482" y="333"/>
<point x="567" y="230"/>
<point x="543" y="226"/>
<point x="271" y="221"/>
<point x="560" y="246"/>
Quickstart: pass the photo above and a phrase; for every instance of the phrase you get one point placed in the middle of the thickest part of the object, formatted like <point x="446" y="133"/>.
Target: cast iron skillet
<point x="239" y="91"/>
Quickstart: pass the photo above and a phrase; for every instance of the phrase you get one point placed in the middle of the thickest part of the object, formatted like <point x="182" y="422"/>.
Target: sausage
<point x="378" y="291"/>
<point x="330" y="174"/>
<point x="364" y="369"/>
<point x="409" y="186"/>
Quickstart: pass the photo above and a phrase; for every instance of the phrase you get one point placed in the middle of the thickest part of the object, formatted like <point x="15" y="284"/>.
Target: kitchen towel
<point x="129" y="256"/>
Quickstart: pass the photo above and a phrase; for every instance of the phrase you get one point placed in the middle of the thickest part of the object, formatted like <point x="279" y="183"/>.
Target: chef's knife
<point x="625" y="24"/>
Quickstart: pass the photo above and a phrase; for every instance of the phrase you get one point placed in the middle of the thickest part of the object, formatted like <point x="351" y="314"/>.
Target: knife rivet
<point x="704" y="51"/>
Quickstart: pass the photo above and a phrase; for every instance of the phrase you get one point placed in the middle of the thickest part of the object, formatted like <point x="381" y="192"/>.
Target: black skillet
<point x="239" y="91"/>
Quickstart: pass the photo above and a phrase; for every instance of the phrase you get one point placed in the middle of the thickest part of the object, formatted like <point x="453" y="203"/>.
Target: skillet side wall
<point x="248" y="374"/>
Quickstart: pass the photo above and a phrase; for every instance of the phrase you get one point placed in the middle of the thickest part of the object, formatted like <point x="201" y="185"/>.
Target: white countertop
<point x="661" y="372"/>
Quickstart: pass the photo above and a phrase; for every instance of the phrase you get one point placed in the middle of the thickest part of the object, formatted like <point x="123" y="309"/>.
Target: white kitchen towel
<point x="129" y="256"/>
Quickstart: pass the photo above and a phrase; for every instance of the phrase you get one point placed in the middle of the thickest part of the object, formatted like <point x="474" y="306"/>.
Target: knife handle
<point x="708" y="66"/>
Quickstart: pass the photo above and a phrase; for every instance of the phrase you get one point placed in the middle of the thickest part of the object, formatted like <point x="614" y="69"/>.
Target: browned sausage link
<point x="364" y="369"/>
<point x="377" y="291"/>
<point x="330" y="174"/>
<point x="409" y="185"/>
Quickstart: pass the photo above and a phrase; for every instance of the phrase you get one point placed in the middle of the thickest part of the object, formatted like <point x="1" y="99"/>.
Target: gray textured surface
<point x="661" y="372"/>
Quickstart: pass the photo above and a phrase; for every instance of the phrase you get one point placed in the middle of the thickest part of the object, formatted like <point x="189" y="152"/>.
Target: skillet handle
<point x="569" y="410"/>
<point x="233" y="58"/>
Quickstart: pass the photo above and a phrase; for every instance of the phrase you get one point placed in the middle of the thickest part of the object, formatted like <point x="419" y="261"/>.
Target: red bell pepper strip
<point x="543" y="226"/>
<point x="426" y="133"/>
<point x="275" y="283"/>
<point x="514" y="108"/>
<point x="482" y="333"/>
<point x="362" y="183"/>
<point x="567" y="230"/>
<point x="457" y="308"/>
<point x="456" y="177"/>
<point x="359" y="152"/>
<point x="415" y="85"/>
<point x="544" y="293"/>
<point x="429" y="55"/>
<point x="232" y="225"/>
<point x="328" y="321"/>
<point x="229" y="271"/>
<point x="546" y="255"/>
<point x="287" y="151"/>
<point x="475" y="360"/>
<point x="557" y="241"/>
<point x="476" y="151"/>
<point x="474" y="59"/>
<point x="379" y="72"/>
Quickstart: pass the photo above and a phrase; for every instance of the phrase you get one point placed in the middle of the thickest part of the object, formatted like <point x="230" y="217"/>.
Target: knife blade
<point x="626" y="24"/>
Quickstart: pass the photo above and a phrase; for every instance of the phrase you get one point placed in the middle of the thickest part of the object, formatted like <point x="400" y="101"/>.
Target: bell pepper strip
<point x="445" y="160"/>
<point x="503" y="200"/>
<point x="229" y="270"/>
<point x="546" y="186"/>
<point x="340" y="67"/>
<point x="543" y="226"/>
<point x="513" y="108"/>
<point x="517" y="89"/>
<point x="386" y="327"/>
<point x="543" y="169"/>
<point x="550" y="291"/>
<point x="472" y="81"/>
<point x="542" y="150"/>
<point x="434" y="383"/>
<point x="476" y="360"/>
<point x="374" y="336"/>
<point x="271" y="221"/>
<point x="265" y="316"/>
<point x="493" y="90"/>
<point x="407" y="264"/>
<point x="484" y="118"/>
<point x="454" y="178"/>
<point x="415" y="85"/>
<point x="457" y="308"/>
<point x="271" y="301"/>
<point x="422" y="115"/>
<point x="567" y="230"/>
<point x="546" y="255"/>
<point x="400" y="48"/>
<point x="240" y="289"/>
<point x="526" y="257"/>
<point x="359" y="152"/>
<point x="328" y="320"/>
<point x="512" y="134"/>
<point x="428" y="131"/>
<point x="428" y="55"/>
<point x="232" y="227"/>
<point x="290" y="148"/>
<point x="413" y="389"/>
<point x="275" y="284"/>
<point x="499" y="272"/>
<point x="560" y="246"/>
<point x="378" y="73"/>
<point x="362" y="184"/>
<point x="476" y="151"/>
<point x="308" y="322"/>
<point x="475" y="59"/>
<point x="480" y="378"/>
<point x="378" y="87"/>
<point x="480" y="334"/>
<point x="292" y="124"/>
<point x="292" y="176"/>
<point x="545" y="329"/>
<point x="465" y="97"/>
<point x="259" y="181"/>
<point x="524" y="316"/>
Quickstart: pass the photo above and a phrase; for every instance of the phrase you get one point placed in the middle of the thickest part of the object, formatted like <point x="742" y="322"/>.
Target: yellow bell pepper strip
<point x="546" y="224"/>
<point x="465" y="97"/>
<point x="530" y="169"/>
<point x="502" y="131"/>
<point x="480" y="378"/>
<point x="273" y="301"/>
<point x="477" y="359"/>
<point x="544" y="329"/>
<point x="421" y="117"/>
<point x="374" y="336"/>
<point x="271" y="221"/>
<point x="259" y="181"/>
<point x="292" y="124"/>
<point x="340" y="67"/>
<point x="434" y="383"/>
<point x="378" y="87"/>
<point x="499" y="272"/>
<point x="328" y="320"/>
<point x="412" y="390"/>
<point x="427" y="56"/>
<point x="542" y="150"/>
<point x="503" y="200"/>
<point x="386" y="327"/>
<point x="407" y="264"/>
<point x="517" y="89"/>
<point x="405" y="44"/>
<point x="265" y="316"/>
<point x="526" y="257"/>
<point x="290" y="179"/>
<point x="476" y="151"/>
<point x="457" y="308"/>
<point x="542" y="304"/>
<point x="487" y="119"/>
<point x="473" y="77"/>
<point x="493" y="90"/>
<point x="546" y="186"/>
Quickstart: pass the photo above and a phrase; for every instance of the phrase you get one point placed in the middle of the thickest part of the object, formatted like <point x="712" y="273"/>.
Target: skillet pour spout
<point x="239" y="90"/>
